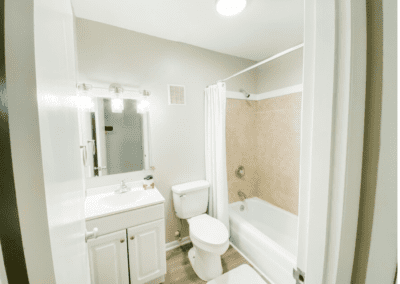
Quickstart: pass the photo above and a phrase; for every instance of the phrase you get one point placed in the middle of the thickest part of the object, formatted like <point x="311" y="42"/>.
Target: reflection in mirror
<point x="116" y="139"/>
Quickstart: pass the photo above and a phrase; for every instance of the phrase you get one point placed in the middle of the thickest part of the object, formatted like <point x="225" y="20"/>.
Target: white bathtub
<point x="267" y="235"/>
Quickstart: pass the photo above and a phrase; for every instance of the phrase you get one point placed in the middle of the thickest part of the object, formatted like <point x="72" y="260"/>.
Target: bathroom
<point x="182" y="149"/>
<point x="177" y="153"/>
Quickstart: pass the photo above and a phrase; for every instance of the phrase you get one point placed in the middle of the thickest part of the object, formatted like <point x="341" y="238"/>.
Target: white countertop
<point x="103" y="201"/>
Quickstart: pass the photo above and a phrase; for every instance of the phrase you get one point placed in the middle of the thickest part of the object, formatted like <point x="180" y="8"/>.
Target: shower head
<point x="246" y="94"/>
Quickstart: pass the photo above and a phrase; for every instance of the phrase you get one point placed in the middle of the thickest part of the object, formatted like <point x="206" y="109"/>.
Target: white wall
<point x="108" y="54"/>
<point x="285" y="71"/>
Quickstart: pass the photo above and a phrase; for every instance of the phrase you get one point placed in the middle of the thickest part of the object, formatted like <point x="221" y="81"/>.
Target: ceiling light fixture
<point x="230" y="7"/>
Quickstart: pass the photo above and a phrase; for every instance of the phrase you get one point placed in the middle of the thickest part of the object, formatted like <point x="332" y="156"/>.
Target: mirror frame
<point x="101" y="180"/>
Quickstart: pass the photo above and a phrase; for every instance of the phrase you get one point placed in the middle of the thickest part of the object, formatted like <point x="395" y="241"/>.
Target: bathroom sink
<point x="123" y="199"/>
<point x="109" y="202"/>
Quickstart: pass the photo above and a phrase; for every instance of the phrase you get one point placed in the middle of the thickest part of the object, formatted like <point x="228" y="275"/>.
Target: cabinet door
<point x="108" y="258"/>
<point x="147" y="259"/>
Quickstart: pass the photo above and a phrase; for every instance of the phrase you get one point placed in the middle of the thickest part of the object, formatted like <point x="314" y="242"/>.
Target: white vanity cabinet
<point x="130" y="247"/>
<point x="147" y="257"/>
<point x="108" y="258"/>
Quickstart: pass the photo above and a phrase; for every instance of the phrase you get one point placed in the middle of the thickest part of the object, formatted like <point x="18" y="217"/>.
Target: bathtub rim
<point x="257" y="199"/>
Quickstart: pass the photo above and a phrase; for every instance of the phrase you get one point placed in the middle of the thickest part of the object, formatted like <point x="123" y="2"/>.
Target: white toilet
<point x="209" y="236"/>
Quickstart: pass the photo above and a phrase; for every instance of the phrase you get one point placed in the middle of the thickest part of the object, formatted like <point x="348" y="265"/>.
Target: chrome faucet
<point x="242" y="196"/>
<point x="122" y="188"/>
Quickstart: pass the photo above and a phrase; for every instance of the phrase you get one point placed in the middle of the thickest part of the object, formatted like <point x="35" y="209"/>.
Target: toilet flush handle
<point x="183" y="196"/>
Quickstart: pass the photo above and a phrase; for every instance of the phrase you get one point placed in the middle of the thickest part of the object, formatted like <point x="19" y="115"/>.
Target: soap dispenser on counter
<point x="148" y="182"/>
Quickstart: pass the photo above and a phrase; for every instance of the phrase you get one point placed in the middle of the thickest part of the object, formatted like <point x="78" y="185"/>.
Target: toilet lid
<point x="208" y="229"/>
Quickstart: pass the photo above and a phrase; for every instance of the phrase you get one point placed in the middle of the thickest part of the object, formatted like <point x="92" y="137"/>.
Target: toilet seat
<point x="209" y="233"/>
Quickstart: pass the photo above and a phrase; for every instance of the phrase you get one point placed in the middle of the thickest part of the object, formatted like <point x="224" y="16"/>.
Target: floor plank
<point x="179" y="269"/>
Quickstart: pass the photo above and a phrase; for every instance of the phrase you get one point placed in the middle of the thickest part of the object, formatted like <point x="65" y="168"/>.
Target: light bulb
<point x="230" y="7"/>
<point x="117" y="105"/>
<point x="143" y="106"/>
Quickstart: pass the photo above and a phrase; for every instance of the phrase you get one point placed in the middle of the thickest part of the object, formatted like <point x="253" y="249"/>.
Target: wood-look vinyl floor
<point x="179" y="269"/>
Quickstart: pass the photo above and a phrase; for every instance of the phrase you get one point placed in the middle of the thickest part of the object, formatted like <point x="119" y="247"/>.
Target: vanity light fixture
<point x="117" y="103"/>
<point x="230" y="7"/>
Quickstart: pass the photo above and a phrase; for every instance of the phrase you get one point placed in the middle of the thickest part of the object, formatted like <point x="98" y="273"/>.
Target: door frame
<point x="332" y="138"/>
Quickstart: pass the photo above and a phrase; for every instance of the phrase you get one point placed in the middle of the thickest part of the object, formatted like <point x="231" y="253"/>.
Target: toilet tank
<point x="190" y="199"/>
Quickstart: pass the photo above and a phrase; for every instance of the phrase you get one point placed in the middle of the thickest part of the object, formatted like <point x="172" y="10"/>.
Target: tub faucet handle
<point x="242" y="196"/>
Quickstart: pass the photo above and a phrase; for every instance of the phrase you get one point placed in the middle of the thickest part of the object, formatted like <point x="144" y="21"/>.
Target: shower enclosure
<point x="263" y="163"/>
<point x="263" y="137"/>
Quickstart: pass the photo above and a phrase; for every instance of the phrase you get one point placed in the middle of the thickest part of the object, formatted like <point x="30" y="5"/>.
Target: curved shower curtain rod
<point x="262" y="62"/>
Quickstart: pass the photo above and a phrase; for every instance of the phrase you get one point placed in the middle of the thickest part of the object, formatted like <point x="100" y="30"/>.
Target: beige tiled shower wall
<point x="264" y="137"/>
<point x="241" y="147"/>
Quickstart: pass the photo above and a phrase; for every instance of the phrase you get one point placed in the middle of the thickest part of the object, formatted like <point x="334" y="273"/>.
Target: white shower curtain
<point x="215" y="113"/>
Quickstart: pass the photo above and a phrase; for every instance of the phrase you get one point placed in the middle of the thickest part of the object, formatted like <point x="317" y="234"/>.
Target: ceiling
<point x="264" y="28"/>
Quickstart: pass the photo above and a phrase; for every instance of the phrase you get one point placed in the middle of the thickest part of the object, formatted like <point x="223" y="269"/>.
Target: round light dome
<point x="230" y="7"/>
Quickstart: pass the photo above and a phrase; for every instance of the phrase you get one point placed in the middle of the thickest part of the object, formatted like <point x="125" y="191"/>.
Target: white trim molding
<point x="280" y="92"/>
<point x="3" y="275"/>
<point x="267" y="95"/>
<point x="175" y="244"/>
<point x="239" y="96"/>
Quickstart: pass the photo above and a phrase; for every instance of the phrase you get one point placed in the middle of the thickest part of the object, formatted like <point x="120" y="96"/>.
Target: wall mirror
<point x="114" y="136"/>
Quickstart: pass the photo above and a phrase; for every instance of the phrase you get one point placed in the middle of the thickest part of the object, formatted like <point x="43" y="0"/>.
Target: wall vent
<point x="176" y="95"/>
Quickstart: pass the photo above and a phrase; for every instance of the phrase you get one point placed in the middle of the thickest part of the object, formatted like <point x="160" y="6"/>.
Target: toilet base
<point x="206" y="265"/>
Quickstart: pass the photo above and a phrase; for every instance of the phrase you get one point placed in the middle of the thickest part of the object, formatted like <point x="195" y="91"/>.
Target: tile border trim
<point x="266" y="95"/>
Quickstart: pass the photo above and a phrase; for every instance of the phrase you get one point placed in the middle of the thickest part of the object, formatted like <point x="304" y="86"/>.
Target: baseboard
<point x="265" y="278"/>
<point x="175" y="244"/>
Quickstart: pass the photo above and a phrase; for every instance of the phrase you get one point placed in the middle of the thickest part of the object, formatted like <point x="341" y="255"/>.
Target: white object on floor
<point x="239" y="275"/>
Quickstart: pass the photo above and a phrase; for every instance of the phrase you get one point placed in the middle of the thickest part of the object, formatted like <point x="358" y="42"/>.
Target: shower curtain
<point x="216" y="175"/>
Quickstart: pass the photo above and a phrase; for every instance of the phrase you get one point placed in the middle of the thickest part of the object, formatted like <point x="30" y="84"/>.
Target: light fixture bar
<point x="104" y="92"/>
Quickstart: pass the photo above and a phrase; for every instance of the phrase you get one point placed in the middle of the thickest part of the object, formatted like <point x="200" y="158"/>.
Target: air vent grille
<point x="176" y="95"/>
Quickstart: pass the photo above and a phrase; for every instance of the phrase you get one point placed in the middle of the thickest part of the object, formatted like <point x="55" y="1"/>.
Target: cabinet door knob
<point x="92" y="234"/>
<point x="133" y="237"/>
<point x="122" y="240"/>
